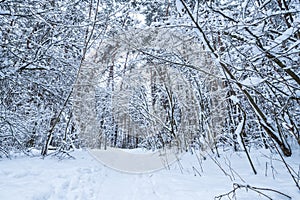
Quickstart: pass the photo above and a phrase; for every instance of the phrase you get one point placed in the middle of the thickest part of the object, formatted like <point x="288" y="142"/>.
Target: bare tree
<point x="256" y="52"/>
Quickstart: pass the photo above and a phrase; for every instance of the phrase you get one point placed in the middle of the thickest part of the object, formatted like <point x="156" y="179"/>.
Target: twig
<point x="243" y="142"/>
<point x="258" y="190"/>
<point x="200" y="161"/>
<point x="62" y="154"/>
<point x="228" y="163"/>
<point x="266" y="170"/>
<point x="286" y="165"/>
<point x="196" y="171"/>
<point x="298" y="176"/>
<point x="219" y="165"/>
<point x="293" y="171"/>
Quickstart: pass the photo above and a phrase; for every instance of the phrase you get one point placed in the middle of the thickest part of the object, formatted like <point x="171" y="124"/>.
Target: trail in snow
<point x="135" y="160"/>
<point x="86" y="179"/>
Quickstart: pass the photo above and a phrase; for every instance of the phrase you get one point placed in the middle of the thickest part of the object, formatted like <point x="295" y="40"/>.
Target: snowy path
<point x="86" y="179"/>
<point x="136" y="160"/>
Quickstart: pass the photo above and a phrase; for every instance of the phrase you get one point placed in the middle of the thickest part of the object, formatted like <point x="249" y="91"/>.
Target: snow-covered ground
<point x="191" y="177"/>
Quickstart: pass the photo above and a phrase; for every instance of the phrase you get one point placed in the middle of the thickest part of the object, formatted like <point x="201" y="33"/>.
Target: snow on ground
<point x="192" y="177"/>
<point x="135" y="160"/>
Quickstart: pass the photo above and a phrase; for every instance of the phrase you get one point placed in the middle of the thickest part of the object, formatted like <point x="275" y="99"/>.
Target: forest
<point x="205" y="75"/>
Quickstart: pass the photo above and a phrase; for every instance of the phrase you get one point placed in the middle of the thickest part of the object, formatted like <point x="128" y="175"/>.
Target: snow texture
<point x="134" y="161"/>
<point x="24" y="178"/>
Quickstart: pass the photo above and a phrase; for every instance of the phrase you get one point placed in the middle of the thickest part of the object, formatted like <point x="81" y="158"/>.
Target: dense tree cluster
<point x="191" y="74"/>
<point x="41" y="44"/>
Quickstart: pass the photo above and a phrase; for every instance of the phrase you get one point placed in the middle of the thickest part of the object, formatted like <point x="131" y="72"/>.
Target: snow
<point x="252" y="81"/>
<point x="179" y="7"/>
<point x="140" y="19"/>
<point x="193" y="177"/>
<point x="298" y="93"/>
<point x="285" y="35"/>
<point x="234" y="99"/>
<point x="134" y="160"/>
<point x="238" y="131"/>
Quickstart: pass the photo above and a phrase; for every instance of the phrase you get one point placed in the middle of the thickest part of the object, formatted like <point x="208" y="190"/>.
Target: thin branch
<point x="243" y="142"/>
<point x="258" y="190"/>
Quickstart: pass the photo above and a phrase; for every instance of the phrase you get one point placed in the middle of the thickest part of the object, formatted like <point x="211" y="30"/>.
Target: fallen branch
<point x="258" y="190"/>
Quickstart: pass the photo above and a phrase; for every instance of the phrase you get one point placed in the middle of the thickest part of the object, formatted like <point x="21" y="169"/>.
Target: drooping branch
<point x="226" y="67"/>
